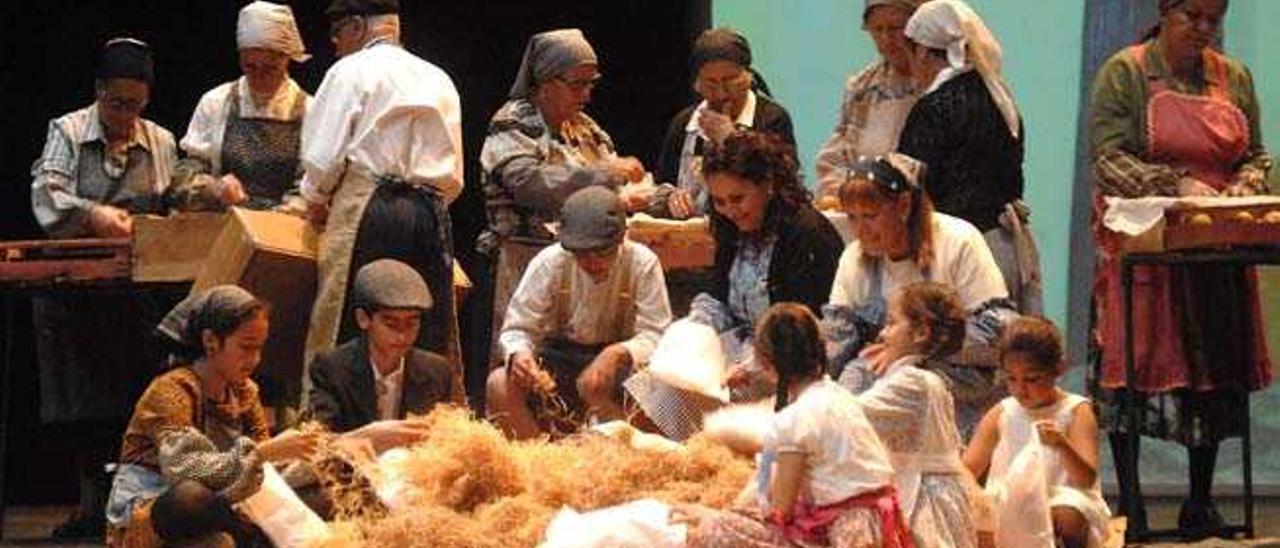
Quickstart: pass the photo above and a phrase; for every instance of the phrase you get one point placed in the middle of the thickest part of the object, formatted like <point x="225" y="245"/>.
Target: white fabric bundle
<point x="272" y="27"/>
<point x="643" y="523"/>
<point x="691" y="357"/>
<point x="740" y="427"/>
<point x="278" y="511"/>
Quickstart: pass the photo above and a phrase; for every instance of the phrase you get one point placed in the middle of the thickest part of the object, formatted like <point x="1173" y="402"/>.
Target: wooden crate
<point x="273" y="256"/>
<point x="1223" y="226"/>
<point x="49" y="261"/>
<point x="678" y="244"/>
<point x="173" y="248"/>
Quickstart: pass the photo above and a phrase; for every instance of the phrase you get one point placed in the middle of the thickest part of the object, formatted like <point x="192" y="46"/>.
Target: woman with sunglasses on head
<point x="1172" y="116"/>
<point x="243" y="140"/>
<point x="967" y="129"/>
<point x="902" y="240"/>
<point x="733" y="97"/>
<point x="541" y="148"/>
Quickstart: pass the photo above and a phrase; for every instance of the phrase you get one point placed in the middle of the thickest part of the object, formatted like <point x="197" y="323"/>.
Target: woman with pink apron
<point x="1172" y="117"/>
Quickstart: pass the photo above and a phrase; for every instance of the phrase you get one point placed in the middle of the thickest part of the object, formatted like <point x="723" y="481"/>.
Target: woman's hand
<point x="626" y="169"/>
<point x="1239" y="190"/>
<point x="389" y="434"/>
<point x="716" y="126"/>
<point x="232" y="190"/>
<point x="876" y="357"/>
<point x="680" y="204"/>
<point x="1191" y="186"/>
<point x="110" y="222"/>
<point x="291" y="444"/>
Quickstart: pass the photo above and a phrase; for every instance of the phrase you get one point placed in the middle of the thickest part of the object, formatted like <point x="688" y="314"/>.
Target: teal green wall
<point x="806" y="49"/>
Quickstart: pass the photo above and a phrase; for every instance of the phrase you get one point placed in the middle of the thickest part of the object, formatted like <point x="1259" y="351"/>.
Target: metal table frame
<point x="15" y="289"/>
<point x="1132" y="400"/>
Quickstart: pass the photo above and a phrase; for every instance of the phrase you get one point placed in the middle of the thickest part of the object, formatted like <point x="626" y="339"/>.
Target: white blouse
<point x="209" y="122"/>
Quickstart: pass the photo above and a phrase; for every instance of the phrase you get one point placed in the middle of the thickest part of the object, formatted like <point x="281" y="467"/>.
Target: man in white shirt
<point x="382" y="159"/>
<point x="586" y="311"/>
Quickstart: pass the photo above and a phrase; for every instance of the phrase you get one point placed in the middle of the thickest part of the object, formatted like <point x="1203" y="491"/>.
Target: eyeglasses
<point x="726" y="85"/>
<point x="122" y="104"/>
<point x="581" y="84"/>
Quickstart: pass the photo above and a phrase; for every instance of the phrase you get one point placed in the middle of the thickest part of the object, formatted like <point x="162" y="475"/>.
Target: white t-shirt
<point x="961" y="260"/>
<point x="844" y="456"/>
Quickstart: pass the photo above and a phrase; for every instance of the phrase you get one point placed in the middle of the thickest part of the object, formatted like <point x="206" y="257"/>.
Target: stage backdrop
<point x="805" y="50"/>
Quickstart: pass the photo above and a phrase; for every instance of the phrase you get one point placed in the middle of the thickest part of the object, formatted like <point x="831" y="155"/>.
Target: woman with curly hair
<point x="772" y="246"/>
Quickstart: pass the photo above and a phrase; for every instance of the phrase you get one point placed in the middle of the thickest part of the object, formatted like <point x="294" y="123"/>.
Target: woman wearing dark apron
<point x="242" y="142"/>
<point x="1172" y="117"/>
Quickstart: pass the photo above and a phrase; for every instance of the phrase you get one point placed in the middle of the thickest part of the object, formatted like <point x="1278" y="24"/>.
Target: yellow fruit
<point x="1242" y="217"/>
<point x="828" y="203"/>
<point x="1200" y="219"/>
<point x="1272" y="217"/>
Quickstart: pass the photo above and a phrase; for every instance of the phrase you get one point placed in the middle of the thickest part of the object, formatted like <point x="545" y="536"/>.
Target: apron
<point x="262" y="153"/>
<point x="1196" y="327"/>
<point x="876" y="117"/>
<point x="94" y="350"/>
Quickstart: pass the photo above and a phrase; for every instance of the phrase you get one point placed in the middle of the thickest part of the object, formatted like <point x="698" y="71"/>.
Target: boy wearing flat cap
<point x="367" y="385"/>
<point x="585" y="312"/>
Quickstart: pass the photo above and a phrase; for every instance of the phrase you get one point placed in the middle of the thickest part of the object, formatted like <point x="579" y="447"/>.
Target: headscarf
<point x="126" y="58"/>
<point x="270" y="26"/>
<point x="550" y="54"/>
<point x="951" y="25"/>
<point x="909" y="5"/>
<point x="212" y="302"/>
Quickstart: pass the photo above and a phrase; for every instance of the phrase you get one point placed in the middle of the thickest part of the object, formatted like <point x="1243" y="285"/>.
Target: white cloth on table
<point x="844" y="456"/>
<point x="209" y="121"/>
<point x="530" y="316"/>
<point x="389" y="112"/>
<point x="1133" y="216"/>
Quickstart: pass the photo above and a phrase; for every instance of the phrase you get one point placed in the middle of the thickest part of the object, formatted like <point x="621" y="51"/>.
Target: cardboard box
<point x="173" y="248"/>
<point x="273" y="256"/>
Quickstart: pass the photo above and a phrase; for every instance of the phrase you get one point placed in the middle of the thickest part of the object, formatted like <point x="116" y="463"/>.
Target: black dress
<point x="974" y="161"/>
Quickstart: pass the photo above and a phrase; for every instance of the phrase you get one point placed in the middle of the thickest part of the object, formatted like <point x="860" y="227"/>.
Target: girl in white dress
<point x="1039" y="415"/>
<point x="912" y="411"/>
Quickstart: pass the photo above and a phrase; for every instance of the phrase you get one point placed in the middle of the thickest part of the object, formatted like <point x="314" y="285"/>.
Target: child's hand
<point x="1051" y="435"/>
<point x="877" y="359"/>
<point x="739" y="375"/>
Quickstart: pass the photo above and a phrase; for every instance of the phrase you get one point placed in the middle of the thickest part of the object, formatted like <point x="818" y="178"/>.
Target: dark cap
<point x="388" y="283"/>
<point x="722" y="44"/>
<point x="592" y="218"/>
<point x="126" y="58"/>
<point x="342" y="8"/>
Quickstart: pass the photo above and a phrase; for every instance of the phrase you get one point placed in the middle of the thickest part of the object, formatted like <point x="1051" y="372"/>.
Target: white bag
<point x="643" y="523"/>
<point x="1021" y="501"/>
<point x="690" y="357"/>
<point x="740" y="427"/>
<point x="278" y="511"/>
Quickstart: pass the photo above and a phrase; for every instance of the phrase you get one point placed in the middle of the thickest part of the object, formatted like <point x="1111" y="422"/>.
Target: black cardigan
<point x="770" y="118"/>
<point x="974" y="162"/>
<point x="804" y="257"/>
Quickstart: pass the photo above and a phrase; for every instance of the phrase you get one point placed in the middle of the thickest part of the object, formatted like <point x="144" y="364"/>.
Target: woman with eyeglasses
<point x="876" y="99"/>
<point x="243" y="140"/>
<point x="733" y="98"/>
<point x="967" y="129"/>
<point x="902" y="240"/>
<point x="1172" y="116"/>
<point x="541" y="148"/>
<point x="772" y="246"/>
<point x="101" y="165"/>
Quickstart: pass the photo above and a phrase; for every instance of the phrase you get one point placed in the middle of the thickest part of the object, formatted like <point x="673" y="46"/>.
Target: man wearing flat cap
<point x="367" y="385"/>
<point x="100" y="165"/>
<point x="586" y="311"/>
<point x="382" y="155"/>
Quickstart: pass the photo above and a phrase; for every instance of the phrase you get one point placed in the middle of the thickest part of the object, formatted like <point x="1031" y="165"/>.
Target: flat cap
<point x="342" y="8"/>
<point x="388" y="283"/>
<point x="592" y="218"/>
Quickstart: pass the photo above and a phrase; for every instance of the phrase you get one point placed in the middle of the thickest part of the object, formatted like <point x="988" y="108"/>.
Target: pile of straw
<point x="474" y="488"/>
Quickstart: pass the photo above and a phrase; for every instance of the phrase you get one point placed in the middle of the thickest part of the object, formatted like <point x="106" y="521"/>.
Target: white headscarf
<point x="953" y="26"/>
<point x="270" y="26"/>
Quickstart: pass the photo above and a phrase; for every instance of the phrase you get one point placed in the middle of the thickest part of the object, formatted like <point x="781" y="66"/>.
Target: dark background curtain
<point x="48" y="49"/>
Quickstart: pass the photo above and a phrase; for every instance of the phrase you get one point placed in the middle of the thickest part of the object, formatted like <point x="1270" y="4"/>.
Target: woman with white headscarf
<point x="966" y="128"/>
<point x="540" y="149"/>
<point x="242" y="142"/>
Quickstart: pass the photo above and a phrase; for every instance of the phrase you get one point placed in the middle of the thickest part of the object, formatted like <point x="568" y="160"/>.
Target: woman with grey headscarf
<point x="967" y="129"/>
<point x="541" y="147"/>
<point x="243" y="139"/>
<point x="876" y="99"/>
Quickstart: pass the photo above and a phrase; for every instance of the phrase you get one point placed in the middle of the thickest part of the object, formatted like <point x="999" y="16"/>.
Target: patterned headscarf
<point x="215" y="301"/>
<point x="550" y="54"/>
<point x="272" y="27"/>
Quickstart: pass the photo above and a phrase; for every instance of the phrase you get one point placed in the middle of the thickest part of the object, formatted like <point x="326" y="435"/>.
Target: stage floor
<point x="30" y="525"/>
